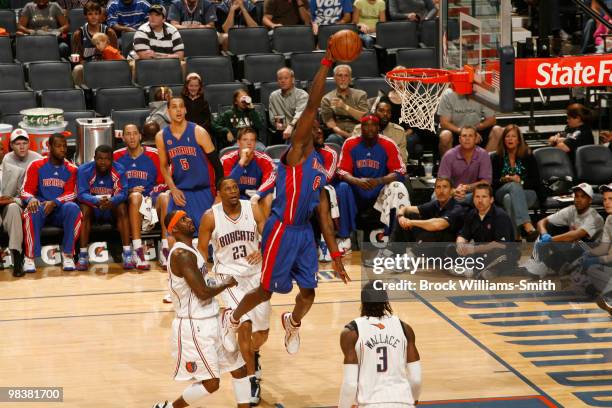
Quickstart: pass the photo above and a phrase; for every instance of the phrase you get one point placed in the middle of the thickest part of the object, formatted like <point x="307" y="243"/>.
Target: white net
<point x="419" y="100"/>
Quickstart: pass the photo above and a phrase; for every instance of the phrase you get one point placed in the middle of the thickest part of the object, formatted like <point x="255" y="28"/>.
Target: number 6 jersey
<point x="381" y="352"/>
<point x="233" y="240"/>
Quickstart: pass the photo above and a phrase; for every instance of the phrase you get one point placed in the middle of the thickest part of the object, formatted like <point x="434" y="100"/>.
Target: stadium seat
<point x="392" y="35"/>
<point x="366" y="65"/>
<point x="262" y="68"/>
<point x="8" y="21"/>
<point x="12" y="77"/>
<point x="417" y="57"/>
<point x="248" y="40"/>
<point x="276" y="151"/>
<point x="127" y="42"/>
<point x="18" y="4"/>
<point x="12" y="119"/>
<point x="66" y="99"/>
<point x="326" y="31"/>
<point x="6" y="51"/>
<point x="30" y="48"/>
<point x="306" y="64"/>
<point x="330" y="85"/>
<point x="15" y="101"/>
<point x="123" y="117"/>
<point x="109" y="99"/>
<point x="158" y="72"/>
<point x="264" y="92"/>
<point x="289" y="39"/>
<point x="200" y="42"/>
<point x="107" y="74"/>
<point x="553" y="162"/>
<point x="218" y="95"/>
<point x="227" y="150"/>
<point x="429" y="33"/>
<point x="50" y="75"/>
<point x="372" y="86"/>
<point x="212" y="70"/>
<point x="594" y="164"/>
<point x="176" y="91"/>
<point x="76" y="18"/>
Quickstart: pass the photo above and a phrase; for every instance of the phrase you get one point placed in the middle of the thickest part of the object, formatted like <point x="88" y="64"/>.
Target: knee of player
<point x="135" y="198"/>
<point x="85" y="209"/>
<point x="264" y="295"/>
<point x="211" y="385"/>
<point x="121" y="210"/>
<point x="446" y="137"/>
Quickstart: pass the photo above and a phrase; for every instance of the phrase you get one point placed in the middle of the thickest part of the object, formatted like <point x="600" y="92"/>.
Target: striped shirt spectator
<point x="124" y="16"/>
<point x="165" y="41"/>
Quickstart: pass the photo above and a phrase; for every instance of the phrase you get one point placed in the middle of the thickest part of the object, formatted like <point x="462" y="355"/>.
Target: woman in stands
<point x="577" y="132"/>
<point x="241" y="115"/>
<point x="43" y="18"/>
<point x="159" y="107"/>
<point x="198" y="110"/>
<point x="515" y="179"/>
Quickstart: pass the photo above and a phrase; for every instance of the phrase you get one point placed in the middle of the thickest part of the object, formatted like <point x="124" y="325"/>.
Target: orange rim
<point x="425" y="75"/>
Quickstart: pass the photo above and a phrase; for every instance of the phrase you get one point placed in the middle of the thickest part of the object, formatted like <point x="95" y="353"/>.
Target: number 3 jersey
<point x="381" y="352"/>
<point x="233" y="240"/>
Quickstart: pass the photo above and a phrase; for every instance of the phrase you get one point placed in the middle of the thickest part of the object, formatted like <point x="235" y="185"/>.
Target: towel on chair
<point x="148" y="213"/>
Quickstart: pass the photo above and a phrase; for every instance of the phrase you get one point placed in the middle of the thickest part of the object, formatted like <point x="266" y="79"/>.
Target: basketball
<point x="345" y="46"/>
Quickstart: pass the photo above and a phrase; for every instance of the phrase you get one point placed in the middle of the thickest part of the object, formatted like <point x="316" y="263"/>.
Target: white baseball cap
<point x="585" y="187"/>
<point x="17" y="133"/>
<point x="605" y="187"/>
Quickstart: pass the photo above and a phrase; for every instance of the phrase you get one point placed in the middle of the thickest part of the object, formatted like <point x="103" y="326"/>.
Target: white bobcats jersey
<point x="186" y="303"/>
<point x="233" y="240"/>
<point x="381" y="351"/>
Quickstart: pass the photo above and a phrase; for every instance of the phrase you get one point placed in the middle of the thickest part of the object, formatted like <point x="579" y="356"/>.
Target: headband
<point x="179" y="214"/>
<point x="371" y="117"/>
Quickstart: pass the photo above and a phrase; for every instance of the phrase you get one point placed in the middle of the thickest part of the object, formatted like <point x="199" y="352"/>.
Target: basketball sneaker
<point x="128" y="262"/>
<point x="255" y="392"/>
<point x="536" y="269"/>
<point x="139" y="260"/>
<point x="164" y="404"/>
<point x="83" y="262"/>
<point x="344" y="245"/>
<point x="163" y="257"/>
<point x="324" y="255"/>
<point x="68" y="263"/>
<point x="228" y="331"/>
<point x="28" y="265"/>
<point x="257" y="366"/>
<point x="292" y="334"/>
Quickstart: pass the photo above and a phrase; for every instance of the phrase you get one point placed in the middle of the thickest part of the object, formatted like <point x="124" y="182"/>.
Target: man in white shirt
<point x="286" y="103"/>
<point x="11" y="179"/>
<point x="21" y="156"/>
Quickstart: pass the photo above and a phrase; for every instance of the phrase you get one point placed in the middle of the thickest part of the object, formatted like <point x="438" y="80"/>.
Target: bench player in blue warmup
<point x="289" y="249"/>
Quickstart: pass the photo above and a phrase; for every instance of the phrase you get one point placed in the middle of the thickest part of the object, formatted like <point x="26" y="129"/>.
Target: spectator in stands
<point x="282" y="12"/>
<point x="42" y="17"/>
<point x="159" y="107"/>
<point x="145" y="185"/>
<point x="466" y="165"/>
<point x="127" y="15"/>
<point x="102" y="193"/>
<point x="287" y="103"/>
<point x="241" y="115"/>
<point x="598" y="260"/>
<point x="392" y="130"/>
<point x="578" y="222"/>
<point x="515" y="179"/>
<point x="21" y="155"/>
<point x="330" y="12"/>
<point x="487" y="230"/>
<point x="68" y="5"/>
<point x="49" y="192"/>
<point x="366" y="14"/>
<point x="107" y="51"/>
<point x="412" y="10"/>
<point x="82" y="39"/>
<point x="198" y="110"/>
<point x="342" y="108"/>
<point x="371" y="164"/>
<point x="192" y="14"/>
<point x="253" y="170"/>
<point x="577" y="132"/>
<point x="235" y="13"/>
<point x="158" y="39"/>
<point x="149" y="130"/>
<point x="457" y="111"/>
<point x="11" y="182"/>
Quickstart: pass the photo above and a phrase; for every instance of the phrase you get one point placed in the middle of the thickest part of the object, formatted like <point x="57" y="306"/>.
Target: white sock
<point x="83" y="250"/>
<point x="127" y="248"/>
<point x="165" y="243"/>
<point x="194" y="393"/>
<point x="137" y="243"/>
<point x="242" y="389"/>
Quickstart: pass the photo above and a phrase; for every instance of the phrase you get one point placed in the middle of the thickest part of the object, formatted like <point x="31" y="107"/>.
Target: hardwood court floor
<point x="104" y="337"/>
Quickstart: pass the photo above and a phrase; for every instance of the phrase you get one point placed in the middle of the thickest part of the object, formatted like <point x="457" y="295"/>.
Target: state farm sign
<point x="591" y="70"/>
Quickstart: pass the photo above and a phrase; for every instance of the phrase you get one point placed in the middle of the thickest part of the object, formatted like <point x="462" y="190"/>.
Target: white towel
<point x="393" y="195"/>
<point x="148" y="213"/>
<point x="333" y="202"/>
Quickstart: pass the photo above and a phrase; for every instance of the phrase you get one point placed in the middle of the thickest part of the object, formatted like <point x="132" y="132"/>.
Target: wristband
<point x="327" y="62"/>
<point x="335" y="255"/>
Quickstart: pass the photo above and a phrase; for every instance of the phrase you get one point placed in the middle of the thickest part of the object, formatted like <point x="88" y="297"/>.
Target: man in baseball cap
<point x="585" y="188"/>
<point x="157" y="38"/>
<point x="21" y="155"/>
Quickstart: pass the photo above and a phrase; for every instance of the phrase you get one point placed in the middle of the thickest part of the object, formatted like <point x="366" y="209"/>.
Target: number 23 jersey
<point x="233" y="240"/>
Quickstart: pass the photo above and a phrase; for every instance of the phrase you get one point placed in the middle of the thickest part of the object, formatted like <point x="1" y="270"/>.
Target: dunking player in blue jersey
<point x="195" y="165"/>
<point x="289" y="250"/>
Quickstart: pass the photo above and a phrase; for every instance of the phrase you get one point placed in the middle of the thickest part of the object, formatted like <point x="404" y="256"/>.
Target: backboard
<point x="478" y="34"/>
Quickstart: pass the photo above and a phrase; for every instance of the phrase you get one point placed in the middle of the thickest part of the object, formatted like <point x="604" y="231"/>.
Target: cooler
<point x="5" y="135"/>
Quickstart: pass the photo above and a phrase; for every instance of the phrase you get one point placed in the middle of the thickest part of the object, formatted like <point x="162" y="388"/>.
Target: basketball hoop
<point x="420" y="90"/>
